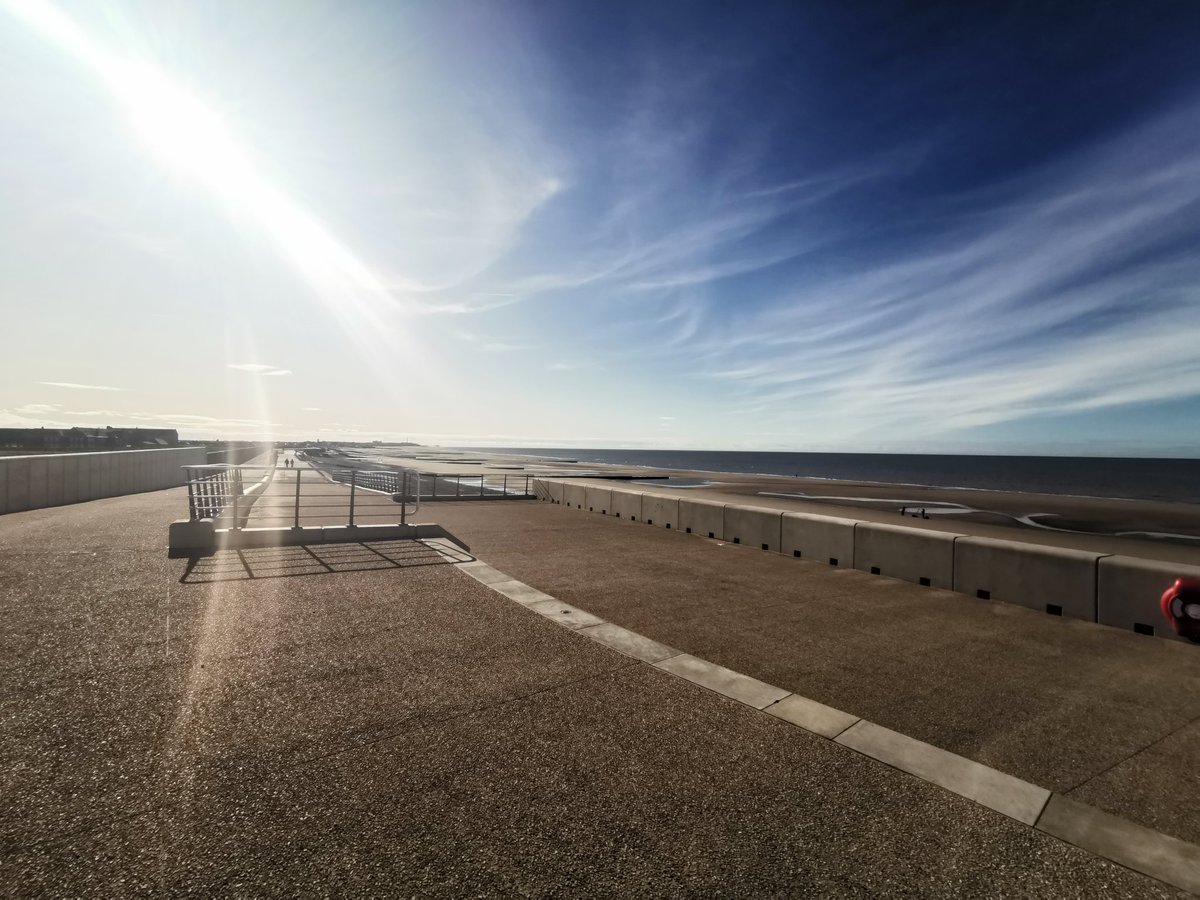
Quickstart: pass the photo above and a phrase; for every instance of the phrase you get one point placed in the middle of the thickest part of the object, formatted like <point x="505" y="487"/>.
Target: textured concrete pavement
<point x="362" y="719"/>
<point x="1106" y="716"/>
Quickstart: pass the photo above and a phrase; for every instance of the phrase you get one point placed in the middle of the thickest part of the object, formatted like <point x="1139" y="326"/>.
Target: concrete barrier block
<point x="188" y="537"/>
<point x="70" y="479"/>
<point x="1128" y="591"/>
<point x="54" y="480"/>
<point x="660" y="510"/>
<point x="1049" y="579"/>
<point x="627" y="504"/>
<point x="574" y="495"/>
<point x="825" y="539"/>
<point x="753" y="526"/>
<point x="597" y="499"/>
<point x="910" y="554"/>
<point x="89" y="476"/>
<point x="39" y="477"/>
<point x="127" y="478"/>
<point x="18" y="483"/>
<point x="703" y="517"/>
<point x="542" y="490"/>
<point x="108" y="475"/>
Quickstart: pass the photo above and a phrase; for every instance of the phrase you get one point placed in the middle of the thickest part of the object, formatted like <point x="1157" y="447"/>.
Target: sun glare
<point x="184" y="132"/>
<point x="188" y="135"/>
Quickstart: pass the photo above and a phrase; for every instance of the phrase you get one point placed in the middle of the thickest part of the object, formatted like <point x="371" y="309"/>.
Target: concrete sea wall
<point x="35" y="482"/>
<point x="1119" y="591"/>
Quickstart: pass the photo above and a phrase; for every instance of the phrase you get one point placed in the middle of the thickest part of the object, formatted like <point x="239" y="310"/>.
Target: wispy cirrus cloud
<point x="259" y="369"/>
<point x="75" y="386"/>
<point x="1072" y="292"/>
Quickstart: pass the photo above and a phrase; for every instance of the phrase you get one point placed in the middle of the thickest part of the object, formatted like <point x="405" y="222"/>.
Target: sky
<point x="843" y="226"/>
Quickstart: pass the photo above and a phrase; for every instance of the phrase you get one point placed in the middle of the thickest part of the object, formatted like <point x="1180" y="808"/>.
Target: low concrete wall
<point x="702" y="517"/>
<point x="1128" y="591"/>
<point x="627" y="504"/>
<point x="1113" y="590"/>
<point x="550" y="491"/>
<point x="1048" y="579"/>
<point x="597" y="499"/>
<point x="910" y="554"/>
<point x="574" y="495"/>
<point x="821" y="538"/>
<point x="753" y="526"/>
<point x="36" y="482"/>
<point x="660" y="510"/>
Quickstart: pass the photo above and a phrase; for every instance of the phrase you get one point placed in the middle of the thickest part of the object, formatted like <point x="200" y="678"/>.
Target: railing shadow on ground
<point x="253" y="564"/>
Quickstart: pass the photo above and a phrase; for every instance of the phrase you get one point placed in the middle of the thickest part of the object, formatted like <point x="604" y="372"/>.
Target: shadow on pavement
<point x="319" y="559"/>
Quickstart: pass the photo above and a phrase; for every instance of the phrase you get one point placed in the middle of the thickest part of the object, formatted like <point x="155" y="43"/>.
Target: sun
<point x="184" y="132"/>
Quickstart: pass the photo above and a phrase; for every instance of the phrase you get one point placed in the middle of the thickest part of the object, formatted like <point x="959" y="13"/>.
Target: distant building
<point x="50" y="440"/>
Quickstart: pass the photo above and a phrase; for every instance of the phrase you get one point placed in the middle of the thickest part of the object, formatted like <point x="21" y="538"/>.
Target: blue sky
<point x="826" y="226"/>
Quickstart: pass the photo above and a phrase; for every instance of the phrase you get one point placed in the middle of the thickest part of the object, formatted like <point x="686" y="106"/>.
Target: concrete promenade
<point x="1098" y="714"/>
<point x="370" y="719"/>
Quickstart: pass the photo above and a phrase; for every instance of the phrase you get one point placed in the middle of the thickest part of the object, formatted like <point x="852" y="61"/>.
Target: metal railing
<point x="235" y="496"/>
<point x="212" y="489"/>
<point x="430" y="486"/>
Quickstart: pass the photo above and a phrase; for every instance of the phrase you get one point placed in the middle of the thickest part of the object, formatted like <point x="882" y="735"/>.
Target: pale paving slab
<point x="1142" y="849"/>
<point x="629" y="642"/>
<point x="812" y="716"/>
<point x="483" y="573"/>
<point x="520" y="592"/>
<point x="986" y="786"/>
<point x="564" y="613"/>
<point x="724" y="681"/>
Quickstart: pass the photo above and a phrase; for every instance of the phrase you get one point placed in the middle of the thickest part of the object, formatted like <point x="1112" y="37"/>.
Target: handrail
<point x="218" y="491"/>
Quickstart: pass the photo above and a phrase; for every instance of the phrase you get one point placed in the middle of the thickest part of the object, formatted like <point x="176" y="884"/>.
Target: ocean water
<point x="1175" y="480"/>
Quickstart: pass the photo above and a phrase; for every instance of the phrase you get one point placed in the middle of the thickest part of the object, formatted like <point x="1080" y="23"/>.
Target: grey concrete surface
<point x="629" y="642"/>
<point x="1052" y="701"/>
<point x="812" y="716"/>
<point x="369" y="720"/>
<point x="1017" y="799"/>
<point x="1139" y="848"/>
<point x="723" y="681"/>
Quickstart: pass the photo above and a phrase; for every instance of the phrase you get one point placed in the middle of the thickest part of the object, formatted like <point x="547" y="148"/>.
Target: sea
<point x="1130" y="478"/>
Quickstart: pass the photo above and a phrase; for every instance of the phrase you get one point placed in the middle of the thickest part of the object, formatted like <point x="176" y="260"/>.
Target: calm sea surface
<point x="1143" y="479"/>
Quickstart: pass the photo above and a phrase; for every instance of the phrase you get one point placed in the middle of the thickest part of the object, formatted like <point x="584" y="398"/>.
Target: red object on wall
<point x="1181" y="607"/>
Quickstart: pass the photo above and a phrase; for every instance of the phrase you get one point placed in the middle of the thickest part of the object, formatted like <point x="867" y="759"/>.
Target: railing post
<point x="433" y="496"/>
<point x="458" y="487"/>
<point x="236" y="491"/>
<point x="296" y="521"/>
<point x="404" y="499"/>
<point x="353" y="480"/>
<point x="506" y="486"/>
<point x="191" y="496"/>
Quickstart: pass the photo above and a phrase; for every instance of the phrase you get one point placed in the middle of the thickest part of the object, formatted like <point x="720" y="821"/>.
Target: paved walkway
<point x="372" y="720"/>
<point x="1104" y="716"/>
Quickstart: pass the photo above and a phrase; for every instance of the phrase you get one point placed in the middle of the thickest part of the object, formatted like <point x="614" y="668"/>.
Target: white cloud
<point x="81" y="387"/>
<point x="259" y="368"/>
